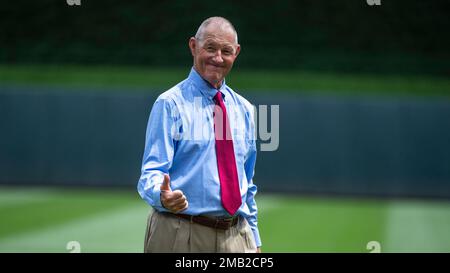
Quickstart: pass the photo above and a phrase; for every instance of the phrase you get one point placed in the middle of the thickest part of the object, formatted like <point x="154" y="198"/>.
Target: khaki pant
<point x="166" y="233"/>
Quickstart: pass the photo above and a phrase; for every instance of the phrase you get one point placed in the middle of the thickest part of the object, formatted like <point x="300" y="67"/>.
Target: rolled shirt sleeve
<point x="158" y="152"/>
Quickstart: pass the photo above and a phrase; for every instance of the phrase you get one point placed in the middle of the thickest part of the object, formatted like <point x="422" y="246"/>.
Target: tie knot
<point x="218" y="97"/>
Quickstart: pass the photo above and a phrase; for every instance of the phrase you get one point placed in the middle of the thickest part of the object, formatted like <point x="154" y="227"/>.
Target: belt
<point x="218" y="223"/>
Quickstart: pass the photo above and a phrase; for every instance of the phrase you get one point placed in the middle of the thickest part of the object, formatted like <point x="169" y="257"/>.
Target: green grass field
<point x="243" y="80"/>
<point x="102" y="220"/>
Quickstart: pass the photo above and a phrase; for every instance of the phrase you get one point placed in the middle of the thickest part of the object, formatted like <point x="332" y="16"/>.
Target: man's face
<point x="215" y="54"/>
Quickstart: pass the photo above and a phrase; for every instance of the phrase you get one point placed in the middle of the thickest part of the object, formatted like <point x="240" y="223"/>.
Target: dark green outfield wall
<point x="369" y="146"/>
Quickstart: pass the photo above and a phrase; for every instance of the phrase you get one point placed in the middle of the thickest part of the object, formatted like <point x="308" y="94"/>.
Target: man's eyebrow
<point x="213" y="43"/>
<point x="209" y="42"/>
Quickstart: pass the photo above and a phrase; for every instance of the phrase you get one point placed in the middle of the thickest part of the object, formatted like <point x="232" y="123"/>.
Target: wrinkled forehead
<point x="219" y="40"/>
<point x="223" y="34"/>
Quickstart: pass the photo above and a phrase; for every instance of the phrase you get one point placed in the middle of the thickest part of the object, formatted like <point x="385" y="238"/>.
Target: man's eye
<point x="210" y="49"/>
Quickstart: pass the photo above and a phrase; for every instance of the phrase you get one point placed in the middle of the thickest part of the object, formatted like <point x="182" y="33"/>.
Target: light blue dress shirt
<point x="180" y="142"/>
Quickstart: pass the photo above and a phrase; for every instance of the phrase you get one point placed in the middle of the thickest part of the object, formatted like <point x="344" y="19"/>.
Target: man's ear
<point x="192" y="45"/>
<point x="238" y="49"/>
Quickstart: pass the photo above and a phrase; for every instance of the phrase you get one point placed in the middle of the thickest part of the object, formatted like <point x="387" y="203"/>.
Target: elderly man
<point x="200" y="156"/>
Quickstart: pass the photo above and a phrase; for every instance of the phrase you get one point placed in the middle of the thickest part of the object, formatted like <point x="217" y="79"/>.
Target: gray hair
<point x="222" y="22"/>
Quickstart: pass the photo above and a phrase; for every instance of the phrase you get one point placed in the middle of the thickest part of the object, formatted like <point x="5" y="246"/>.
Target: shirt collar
<point x="204" y="86"/>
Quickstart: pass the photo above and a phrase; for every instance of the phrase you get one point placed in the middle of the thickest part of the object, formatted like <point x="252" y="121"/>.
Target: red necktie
<point x="226" y="162"/>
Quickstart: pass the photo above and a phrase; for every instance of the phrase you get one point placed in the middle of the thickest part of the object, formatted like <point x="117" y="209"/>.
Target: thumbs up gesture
<point x="175" y="201"/>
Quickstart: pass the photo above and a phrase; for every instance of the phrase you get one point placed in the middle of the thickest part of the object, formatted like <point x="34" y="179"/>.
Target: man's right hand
<point x="175" y="201"/>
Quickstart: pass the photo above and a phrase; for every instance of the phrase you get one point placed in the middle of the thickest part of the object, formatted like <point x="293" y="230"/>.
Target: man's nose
<point x="218" y="57"/>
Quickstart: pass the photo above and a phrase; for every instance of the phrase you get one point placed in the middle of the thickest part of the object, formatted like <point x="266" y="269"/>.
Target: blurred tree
<point x="403" y="36"/>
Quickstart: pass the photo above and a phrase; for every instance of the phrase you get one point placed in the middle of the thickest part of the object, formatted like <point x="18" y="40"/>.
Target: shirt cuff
<point x="157" y="199"/>
<point x="256" y="236"/>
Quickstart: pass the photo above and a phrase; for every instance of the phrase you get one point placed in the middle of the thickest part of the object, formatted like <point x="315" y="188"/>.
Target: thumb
<point x="166" y="183"/>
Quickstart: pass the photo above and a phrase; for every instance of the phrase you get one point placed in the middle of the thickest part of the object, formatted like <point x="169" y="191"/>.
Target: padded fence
<point x="338" y="145"/>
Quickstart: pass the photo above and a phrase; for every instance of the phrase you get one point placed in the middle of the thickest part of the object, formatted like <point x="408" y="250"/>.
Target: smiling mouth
<point x="215" y="66"/>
